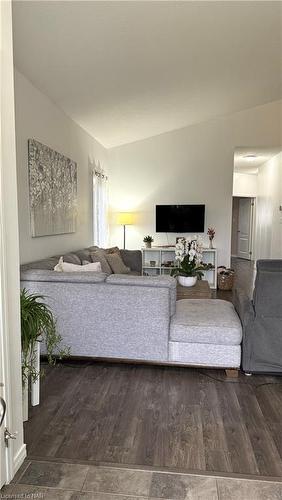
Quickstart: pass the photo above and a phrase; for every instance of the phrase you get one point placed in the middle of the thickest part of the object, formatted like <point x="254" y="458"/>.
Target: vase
<point x="148" y="244"/>
<point x="211" y="245"/>
<point x="187" y="280"/>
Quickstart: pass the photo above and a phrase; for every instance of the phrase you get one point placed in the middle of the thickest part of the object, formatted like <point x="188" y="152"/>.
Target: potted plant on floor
<point x="37" y="325"/>
<point x="189" y="255"/>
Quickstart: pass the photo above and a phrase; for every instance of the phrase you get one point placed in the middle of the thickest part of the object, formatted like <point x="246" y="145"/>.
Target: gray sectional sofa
<point x="135" y="317"/>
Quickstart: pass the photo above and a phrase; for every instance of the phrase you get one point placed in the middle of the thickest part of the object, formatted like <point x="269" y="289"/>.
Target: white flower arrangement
<point x="191" y="246"/>
<point x="189" y="255"/>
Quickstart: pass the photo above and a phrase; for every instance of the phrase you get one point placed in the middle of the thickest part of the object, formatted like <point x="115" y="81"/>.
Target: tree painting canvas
<point x="52" y="191"/>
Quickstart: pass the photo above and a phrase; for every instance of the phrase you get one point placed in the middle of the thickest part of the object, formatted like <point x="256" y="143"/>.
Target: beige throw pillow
<point x="116" y="263"/>
<point x="112" y="250"/>
<point x="100" y="256"/>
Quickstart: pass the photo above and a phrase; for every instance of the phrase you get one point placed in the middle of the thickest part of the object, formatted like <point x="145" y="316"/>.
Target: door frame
<point x="6" y="467"/>
<point x="253" y="228"/>
<point x="12" y="455"/>
<point x="6" y="470"/>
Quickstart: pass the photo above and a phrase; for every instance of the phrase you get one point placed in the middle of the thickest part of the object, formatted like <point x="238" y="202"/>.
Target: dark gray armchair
<point x="261" y="319"/>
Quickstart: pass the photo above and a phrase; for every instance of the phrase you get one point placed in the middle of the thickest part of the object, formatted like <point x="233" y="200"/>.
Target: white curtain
<point x="100" y="208"/>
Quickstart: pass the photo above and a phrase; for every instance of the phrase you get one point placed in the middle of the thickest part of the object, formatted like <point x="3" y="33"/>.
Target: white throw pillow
<point x="66" y="267"/>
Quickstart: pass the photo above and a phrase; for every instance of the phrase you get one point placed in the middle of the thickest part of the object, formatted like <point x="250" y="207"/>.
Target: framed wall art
<point x="52" y="191"/>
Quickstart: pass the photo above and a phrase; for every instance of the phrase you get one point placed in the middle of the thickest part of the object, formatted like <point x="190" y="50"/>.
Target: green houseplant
<point x="148" y="240"/>
<point x="190" y="269"/>
<point x="37" y="323"/>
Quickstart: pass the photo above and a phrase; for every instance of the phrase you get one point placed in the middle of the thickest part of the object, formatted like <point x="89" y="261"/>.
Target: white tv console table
<point x="155" y="262"/>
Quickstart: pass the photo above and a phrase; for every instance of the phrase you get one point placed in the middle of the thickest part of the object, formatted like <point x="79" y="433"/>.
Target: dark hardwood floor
<point x="186" y="418"/>
<point x="171" y="417"/>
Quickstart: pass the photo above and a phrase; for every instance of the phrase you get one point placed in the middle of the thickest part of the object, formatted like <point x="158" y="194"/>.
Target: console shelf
<point x="160" y="255"/>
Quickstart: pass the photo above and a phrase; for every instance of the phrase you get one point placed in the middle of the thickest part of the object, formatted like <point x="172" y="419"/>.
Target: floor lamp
<point x="125" y="219"/>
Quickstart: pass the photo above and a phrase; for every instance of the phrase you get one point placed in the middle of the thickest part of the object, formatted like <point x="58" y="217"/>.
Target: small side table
<point x="199" y="291"/>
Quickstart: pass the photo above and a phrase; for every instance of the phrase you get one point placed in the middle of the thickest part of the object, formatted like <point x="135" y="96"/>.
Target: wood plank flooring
<point x="158" y="416"/>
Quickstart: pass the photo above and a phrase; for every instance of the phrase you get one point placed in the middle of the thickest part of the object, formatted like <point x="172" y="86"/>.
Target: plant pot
<point x="148" y="244"/>
<point x="187" y="280"/>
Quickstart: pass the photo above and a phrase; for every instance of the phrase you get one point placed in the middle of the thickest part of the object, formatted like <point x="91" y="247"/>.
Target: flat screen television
<point x="180" y="218"/>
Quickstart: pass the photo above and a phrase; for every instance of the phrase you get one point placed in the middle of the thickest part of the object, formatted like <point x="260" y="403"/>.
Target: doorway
<point x="242" y="227"/>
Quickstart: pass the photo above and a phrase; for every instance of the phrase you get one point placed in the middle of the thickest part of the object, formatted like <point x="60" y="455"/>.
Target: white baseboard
<point x="19" y="458"/>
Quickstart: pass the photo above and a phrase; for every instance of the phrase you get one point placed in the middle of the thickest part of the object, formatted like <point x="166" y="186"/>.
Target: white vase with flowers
<point x="189" y="256"/>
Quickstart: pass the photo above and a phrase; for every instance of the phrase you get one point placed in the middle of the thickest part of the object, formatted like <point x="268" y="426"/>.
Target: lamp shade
<point x="125" y="218"/>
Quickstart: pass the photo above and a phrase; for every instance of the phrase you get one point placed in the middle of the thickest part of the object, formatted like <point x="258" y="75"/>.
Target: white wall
<point x="190" y="165"/>
<point x="37" y="117"/>
<point x="245" y="185"/>
<point x="10" y="340"/>
<point x="269" y="218"/>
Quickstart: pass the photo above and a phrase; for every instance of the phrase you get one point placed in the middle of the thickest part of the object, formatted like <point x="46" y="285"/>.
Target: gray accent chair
<point x="261" y="318"/>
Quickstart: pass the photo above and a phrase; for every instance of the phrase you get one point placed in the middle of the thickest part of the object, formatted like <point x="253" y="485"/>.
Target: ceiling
<point x="129" y="70"/>
<point x="248" y="160"/>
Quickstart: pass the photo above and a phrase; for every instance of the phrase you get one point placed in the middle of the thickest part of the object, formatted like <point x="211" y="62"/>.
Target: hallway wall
<point x="245" y="184"/>
<point x="269" y="218"/>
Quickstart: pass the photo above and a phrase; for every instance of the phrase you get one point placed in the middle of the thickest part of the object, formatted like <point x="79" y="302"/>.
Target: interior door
<point x="245" y="228"/>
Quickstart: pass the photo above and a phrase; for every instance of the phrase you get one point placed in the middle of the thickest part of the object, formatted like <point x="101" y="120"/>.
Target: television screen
<point x="180" y="218"/>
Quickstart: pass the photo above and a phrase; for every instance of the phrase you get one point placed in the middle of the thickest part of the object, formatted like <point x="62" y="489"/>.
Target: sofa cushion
<point x="66" y="267"/>
<point x="83" y="255"/>
<point x="112" y="250"/>
<point x="133" y="260"/>
<point x="99" y="256"/>
<point x="216" y="355"/>
<point x="116" y="263"/>
<point x="206" y="321"/>
<point x="51" y="276"/>
<point x="147" y="281"/>
<point x="47" y="264"/>
<point x="71" y="258"/>
<point x="93" y="248"/>
<point x="152" y="281"/>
